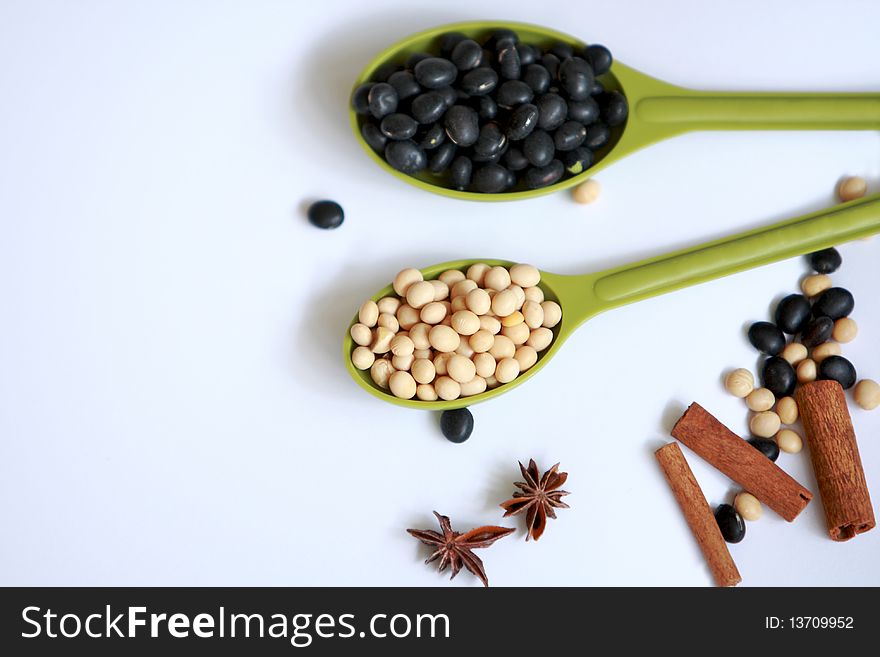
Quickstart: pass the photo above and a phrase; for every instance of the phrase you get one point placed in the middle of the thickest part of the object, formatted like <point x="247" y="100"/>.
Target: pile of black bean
<point x="494" y="116"/>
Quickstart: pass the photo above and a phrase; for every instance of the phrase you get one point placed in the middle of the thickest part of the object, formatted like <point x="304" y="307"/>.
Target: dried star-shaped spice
<point x="454" y="549"/>
<point x="537" y="497"/>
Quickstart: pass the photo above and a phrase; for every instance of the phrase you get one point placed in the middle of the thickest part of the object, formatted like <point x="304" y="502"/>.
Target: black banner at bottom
<point x="342" y="621"/>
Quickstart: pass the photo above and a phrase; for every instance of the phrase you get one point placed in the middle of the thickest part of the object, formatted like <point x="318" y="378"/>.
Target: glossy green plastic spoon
<point x="657" y="109"/>
<point x="582" y="297"/>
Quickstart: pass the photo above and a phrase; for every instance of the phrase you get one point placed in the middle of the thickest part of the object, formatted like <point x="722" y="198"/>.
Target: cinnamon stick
<point x="747" y="466"/>
<point x="836" y="460"/>
<point x="698" y="514"/>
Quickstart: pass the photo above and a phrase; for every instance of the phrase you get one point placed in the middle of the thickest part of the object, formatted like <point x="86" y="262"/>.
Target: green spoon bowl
<point x="657" y="110"/>
<point x="584" y="296"/>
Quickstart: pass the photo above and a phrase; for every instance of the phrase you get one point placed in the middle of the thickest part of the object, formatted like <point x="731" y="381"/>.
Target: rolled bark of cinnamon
<point x="698" y="514"/>
<point x="836" y="460"/>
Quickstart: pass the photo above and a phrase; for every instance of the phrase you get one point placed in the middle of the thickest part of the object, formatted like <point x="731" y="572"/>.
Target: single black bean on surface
<point x="598" y="135"/>
<point x="732" y="526"/>
<point x="599" y="57"/>
<point x="767" y="338"/>
<point x="326" y="214"/>
<point x="398" y="126"/>
<point x="435" y="136"/>
<point x="514" y="160"/>
<point x="405" y="156"/>
<point x="614" y="108"/>
<point x="428" y="107"/>
<point x="509" y="64"/>
<point x="835" y="302"/>
<point x="382" y="99"/>
<point x="766" y="446"/>
<point x="552" y="111"/>
<point x="480" y="81"/>
<point x="467" y="54"/>
<point x="487" y="108"/>
<point x="538" y="148"/>
<point x="778" y="376"/>
<point x="374" y="137"/>
<point x="817" y="331"/>
<point x="793" y="313"/>
<point x="523" y="120"/>
<point x="461" y="170"/>
<point x="537" y="77"/>
<point x="491" y="140"/>
<point x="435" y="72"/>
<point x="490" y="179"/>
<point x="404" y="82"/>
<point x="826" y="261"/>
<point x="578" y="160"/>
<point x="360" y="101"/>
<point x="512" y="93"/>
<point x="442" y="157"/>
<point x="838" y="368"/>
<point x="543" y="176"/>
<point x="462" y="125"/>
<point x="576" y="76"/>
<point x="569" y="136"/>
<point x="583" y="111"/>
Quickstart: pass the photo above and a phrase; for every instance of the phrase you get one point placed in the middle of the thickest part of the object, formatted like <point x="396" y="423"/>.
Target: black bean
<point x="448" y="42"/>
<point x="467" y="54"/>
<point x="360" y="101"/>
<point x="537" y="77"/>
<point x="597" y="88"/>
<point x="512" y="93"/>
<point x="732" y="526"/>
<point x="509" y="64"/>
<point x="384" y="71"/>
<point x="817" y="331"/>
<point x="562" y="50"/>
<point x="462" y="125"/>
<point x="514" y="160"/>
<point x="490" y="179"/>
<point x="502" y="38"/>
<point x="614" y="107"/>
<point x="428" y="107"/>
<point x="826" y="261"/>
<point x="583" y="111"/>
<point x="461" y="170"/>
<point x="838" y="368"/>
<point x="552" y="110"/>
<point x="450" y="96"/>
<point x="480" y="81"/>
<point x="511" y="180"/>
<point x="538" y="148"/>
<point x="599" y="57"/>
<point x="766" y="338"/>
<point x="491" y="140"/>
<point x="442" y="157"/>
<point x="415" y="58"/>
<point x="598" y="135"/>
<point x="435" y="136"/>
<point x="793" y="313"/>
<point x="487" y="107"/>
<point x="576" y="76"/>
<point x="405" y="84"/>
<point x="578" y="160"/>
<point x="522" y="122"/>
<point x="542" y="177"/>
<point x="382" y="99"/>
<point x="326" y="214"/>
<point x="405" y="156"/>
<point x="526" y="54"/>
<point x="569" y="136"/>
<point x="435" y="72"/>
<point x="778" y="376"/>
<point x="551" y="63"/>
<point x="398" y="126"/>
<point x="374" y="137"/>
<point x="766" y="446"/>
<point x="835" y="302"/>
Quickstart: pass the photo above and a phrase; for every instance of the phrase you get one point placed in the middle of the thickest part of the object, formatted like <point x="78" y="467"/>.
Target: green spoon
<point x="657" y="109"/>
<point x="585" y="296"/>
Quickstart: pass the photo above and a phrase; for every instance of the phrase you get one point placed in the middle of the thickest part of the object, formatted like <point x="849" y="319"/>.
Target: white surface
<point x="173" y="403"/>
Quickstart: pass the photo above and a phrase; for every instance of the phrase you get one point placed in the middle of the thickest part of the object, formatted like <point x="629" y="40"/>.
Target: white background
<point x="173" y="403"/>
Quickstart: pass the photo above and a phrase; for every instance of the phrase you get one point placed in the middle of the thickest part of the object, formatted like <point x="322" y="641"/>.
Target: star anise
<point x="539" y="496"/>
<point x="454" y="549"/>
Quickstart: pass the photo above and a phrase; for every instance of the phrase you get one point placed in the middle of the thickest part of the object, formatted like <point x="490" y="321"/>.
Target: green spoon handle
<point x="787" y="239"/>
<point x="708" y="110"/>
